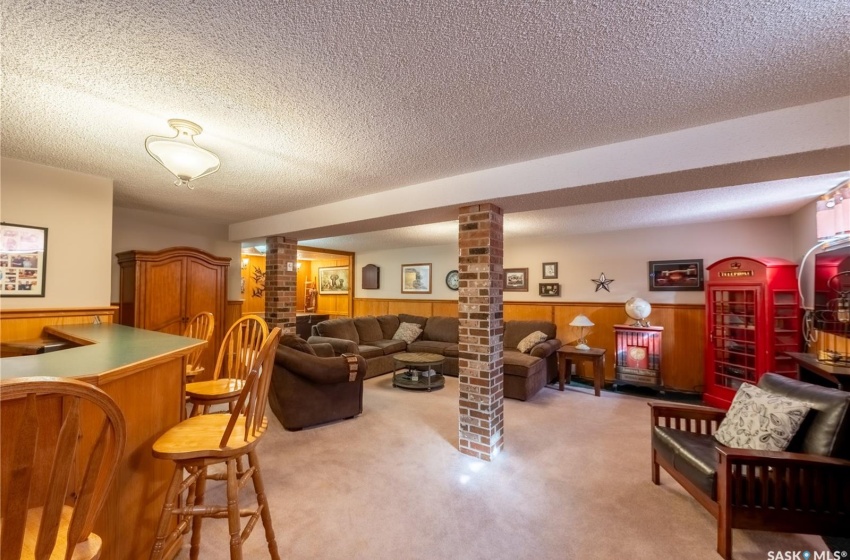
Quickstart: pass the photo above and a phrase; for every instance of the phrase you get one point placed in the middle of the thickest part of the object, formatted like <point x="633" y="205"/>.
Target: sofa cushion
<point x="523" y="365"/>
<point x="526" y="344"/>
<point x="338" y="328"/>
<point x="826" y="430"/>
<point x="405" y="318"/>
<point x="389" y="325"/>
<point x="408" y="332"/>
<point x="761" y="420"/>
<point x="515" y="331"/>
<point x="442" y="329"/>
<point x="451" y="351"/>
<point x="390" y="346"/>
<point x="368" y="351"/>
<point x="693" y="455"/>
<point x="296" y="343"/>
<point x="430" y="346"/>
<point x="368" y="329"/>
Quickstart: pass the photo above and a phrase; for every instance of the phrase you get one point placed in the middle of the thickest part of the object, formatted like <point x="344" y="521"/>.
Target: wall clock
<point x="452" y="280"/>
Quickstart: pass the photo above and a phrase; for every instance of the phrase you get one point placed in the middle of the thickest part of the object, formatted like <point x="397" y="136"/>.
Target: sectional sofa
<point x="372" y="337"/>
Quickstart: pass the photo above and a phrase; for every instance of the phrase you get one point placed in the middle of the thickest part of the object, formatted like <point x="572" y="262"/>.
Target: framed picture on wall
<point x="23" y="260"/>
<point x="550" y="270"/>
<point x="516" y="280"/>
<point x="550" y="289"/>
<point x="334" y="280"/>
<point x="416" y="278"/>
<point x="676" y="276"/>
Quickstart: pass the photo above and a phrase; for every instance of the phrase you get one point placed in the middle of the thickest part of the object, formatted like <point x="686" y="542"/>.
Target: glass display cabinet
<point x="752" y="319"/>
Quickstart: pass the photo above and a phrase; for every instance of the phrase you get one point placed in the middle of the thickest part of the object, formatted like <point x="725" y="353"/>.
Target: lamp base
<point x="582" y="346"/>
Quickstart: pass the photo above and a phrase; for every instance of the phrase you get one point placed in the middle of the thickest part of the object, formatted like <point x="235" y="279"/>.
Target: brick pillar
<point x="281" y="282"/>
<point x="481" y="430"/>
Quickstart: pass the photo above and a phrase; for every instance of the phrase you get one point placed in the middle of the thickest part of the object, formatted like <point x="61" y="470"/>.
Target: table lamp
<point x="582" y="323"/>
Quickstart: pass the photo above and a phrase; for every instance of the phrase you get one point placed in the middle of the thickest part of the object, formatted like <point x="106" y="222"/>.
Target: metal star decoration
<point x="602" y="282"/>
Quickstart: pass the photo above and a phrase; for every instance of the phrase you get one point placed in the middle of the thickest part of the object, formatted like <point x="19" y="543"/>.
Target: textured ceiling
<point x="315" y="102"/>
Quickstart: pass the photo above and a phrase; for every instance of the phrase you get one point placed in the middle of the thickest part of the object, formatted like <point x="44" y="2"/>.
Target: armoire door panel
<point x="205" y="292"/>
<point x="163" y="289"/>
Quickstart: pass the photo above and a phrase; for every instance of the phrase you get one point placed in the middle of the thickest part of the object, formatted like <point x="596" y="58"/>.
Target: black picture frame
<point x="23" y="260"/>
<point x="681" y="275"/>
<point x="550" y="270"/>
<point x="549" y="289"/>
<point x="516" y="280"/>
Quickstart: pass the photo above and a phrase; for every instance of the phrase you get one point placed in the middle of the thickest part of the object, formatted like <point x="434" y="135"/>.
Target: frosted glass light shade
<point x="180" y="155"/>
<point x="582" y="321"/>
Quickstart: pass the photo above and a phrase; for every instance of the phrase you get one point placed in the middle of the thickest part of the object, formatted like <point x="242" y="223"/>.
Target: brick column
<point x="481" y="430"/>
<point x="281" y="282"/>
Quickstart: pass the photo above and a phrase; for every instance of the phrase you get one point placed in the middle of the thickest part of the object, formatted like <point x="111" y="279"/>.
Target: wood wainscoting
<point x="683" y="343"/>
<point x="27" y="324"/>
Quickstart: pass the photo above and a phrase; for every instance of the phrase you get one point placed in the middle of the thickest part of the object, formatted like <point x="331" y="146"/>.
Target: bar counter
<point x="143" y="371"/>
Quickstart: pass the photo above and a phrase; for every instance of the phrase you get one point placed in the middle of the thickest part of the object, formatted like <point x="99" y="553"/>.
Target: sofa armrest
<point x="546" y="348"/>
<point x="340" y="345"/>
<point x="321" y="371"/>
<point x="323" y="350"/>
<point x="690" y="418"/>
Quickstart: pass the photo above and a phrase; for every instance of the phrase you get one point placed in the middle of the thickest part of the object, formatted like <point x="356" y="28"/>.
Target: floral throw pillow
<point x="407" y="332"/>
<point x="761" y="420"/>
<point x="526" y="344"/>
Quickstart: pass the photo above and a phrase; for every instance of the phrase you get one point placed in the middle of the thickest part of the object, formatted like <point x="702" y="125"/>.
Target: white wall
<point x="77" y="211"/>
<point x="150" y="231"/>
<point x="621" y="255"/>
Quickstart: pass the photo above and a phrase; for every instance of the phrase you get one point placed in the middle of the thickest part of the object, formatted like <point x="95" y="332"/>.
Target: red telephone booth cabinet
<point x="752" y="320"/>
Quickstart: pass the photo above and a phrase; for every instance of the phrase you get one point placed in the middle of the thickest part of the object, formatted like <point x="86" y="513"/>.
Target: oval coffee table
<point x="413" y="378"/>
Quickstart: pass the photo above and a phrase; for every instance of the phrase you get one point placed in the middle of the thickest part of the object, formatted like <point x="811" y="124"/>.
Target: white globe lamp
<point x="582" y="323"/>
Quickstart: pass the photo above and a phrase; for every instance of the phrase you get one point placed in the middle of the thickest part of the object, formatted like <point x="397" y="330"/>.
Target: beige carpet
<point x="572" y="482"/>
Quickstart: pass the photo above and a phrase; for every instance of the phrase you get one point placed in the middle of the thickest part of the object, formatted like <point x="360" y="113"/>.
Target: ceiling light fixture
<point x="180" y="155"/>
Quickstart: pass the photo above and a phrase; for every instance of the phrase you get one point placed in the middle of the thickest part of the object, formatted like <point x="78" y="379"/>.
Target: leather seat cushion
<point x="431" y="346"/>
<point x="390" y="346"/>
<point x="369" y="351"/>
<point x="693" y="455"/>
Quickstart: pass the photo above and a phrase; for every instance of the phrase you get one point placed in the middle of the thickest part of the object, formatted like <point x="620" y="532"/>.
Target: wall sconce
<point x="180" y="155"/>
<point x="833" y="212"/>
<point x="582" y="323"/>
<point x="244" y="263"/>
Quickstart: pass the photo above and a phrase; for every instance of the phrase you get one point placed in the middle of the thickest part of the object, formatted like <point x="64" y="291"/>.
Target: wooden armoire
<point x="163" y="290"/>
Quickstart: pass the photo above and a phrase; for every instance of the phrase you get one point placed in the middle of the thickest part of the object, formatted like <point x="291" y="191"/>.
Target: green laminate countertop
<point x="110" y="351"/>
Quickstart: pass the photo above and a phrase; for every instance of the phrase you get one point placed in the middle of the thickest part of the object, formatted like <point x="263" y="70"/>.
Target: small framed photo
<point x="23" y="260"/>
<point x="516" y="280"/>
<point x="550" y="270"/>
<point x="334" y="280"/>
<point x="416" y="278"/>
<point x="550" y="289"/>
<point x="676" y="276"/>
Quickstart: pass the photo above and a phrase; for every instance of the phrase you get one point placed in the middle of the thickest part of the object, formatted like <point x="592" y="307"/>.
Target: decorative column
<point x="281" y="282"/>
<point x="481" y="429"/>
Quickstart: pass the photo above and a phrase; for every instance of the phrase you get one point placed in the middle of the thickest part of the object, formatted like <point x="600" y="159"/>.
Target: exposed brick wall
<point x="481" y="429"/>
<point x="281" y="283"/>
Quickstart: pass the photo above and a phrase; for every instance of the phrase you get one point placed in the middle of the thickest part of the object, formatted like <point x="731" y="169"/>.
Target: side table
<point x="567" y="355"/>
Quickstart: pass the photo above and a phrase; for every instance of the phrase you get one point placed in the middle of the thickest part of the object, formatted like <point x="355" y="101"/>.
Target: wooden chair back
<point x="240" y="347"/>
<point x="251" y="406"/>
<point x="83" y="462"/>
<point x="200" y="326"/>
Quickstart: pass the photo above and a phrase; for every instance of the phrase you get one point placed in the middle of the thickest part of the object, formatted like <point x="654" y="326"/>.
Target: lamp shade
<point x="581" y="321"/>
<point x="180" y="155"/>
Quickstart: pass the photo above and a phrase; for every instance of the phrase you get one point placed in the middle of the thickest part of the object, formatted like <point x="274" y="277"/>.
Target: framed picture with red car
<point x="676" y="276"/>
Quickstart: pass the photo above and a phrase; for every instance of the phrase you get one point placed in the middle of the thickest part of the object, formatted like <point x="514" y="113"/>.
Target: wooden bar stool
<point x="200" y="326"/>
<point x="237" y="354"/>
<point x="61" y="472"/>
<point x="200" y="441"/>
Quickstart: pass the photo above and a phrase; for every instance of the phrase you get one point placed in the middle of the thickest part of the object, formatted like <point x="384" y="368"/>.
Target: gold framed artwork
<point x="416" y="278"/>
<point x="334" y="280"/>
<point x="23" y="260"/>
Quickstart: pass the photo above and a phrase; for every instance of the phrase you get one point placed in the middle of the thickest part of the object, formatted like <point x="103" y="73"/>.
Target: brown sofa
<point x="310" y="385"/>
<point x="371" y="337"/>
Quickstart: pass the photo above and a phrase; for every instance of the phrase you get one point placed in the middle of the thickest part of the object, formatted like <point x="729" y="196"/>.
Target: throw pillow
<point x="297" y="343"/>
<point x="761" y="420"/>
<point x="526" y="344"/>
<point x="407" y="332"/>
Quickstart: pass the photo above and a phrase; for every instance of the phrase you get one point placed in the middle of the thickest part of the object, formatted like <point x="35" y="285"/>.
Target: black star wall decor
<point x="602" y="282"/>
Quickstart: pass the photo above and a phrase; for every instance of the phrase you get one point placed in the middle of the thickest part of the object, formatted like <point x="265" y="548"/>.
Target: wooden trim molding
<point x="28" y="324"/>
<point x="57" y="312"/>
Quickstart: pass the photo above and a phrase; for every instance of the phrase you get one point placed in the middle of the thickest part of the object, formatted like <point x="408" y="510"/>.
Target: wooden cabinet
<point x="162" y="290"/>
<point x="752" y="317"/>
<point x="638" y="356"/>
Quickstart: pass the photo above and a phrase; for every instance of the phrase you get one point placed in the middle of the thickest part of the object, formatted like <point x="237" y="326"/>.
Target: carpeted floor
<point x="572" y="482"/>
